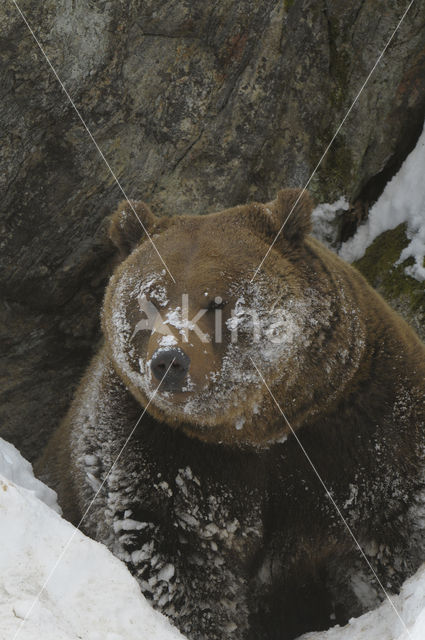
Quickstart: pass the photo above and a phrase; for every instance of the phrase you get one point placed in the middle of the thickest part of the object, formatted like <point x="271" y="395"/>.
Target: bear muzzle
<point x="173" y="363"/>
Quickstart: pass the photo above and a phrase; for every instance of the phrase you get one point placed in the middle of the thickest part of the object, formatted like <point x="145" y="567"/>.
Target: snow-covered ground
<point x="403" y="200"/>
<point x="384" y="623"/>
<point x="91" y="595"/>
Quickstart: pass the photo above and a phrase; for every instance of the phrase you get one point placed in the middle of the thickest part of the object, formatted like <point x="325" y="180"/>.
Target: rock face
<point x="196" y="106"/>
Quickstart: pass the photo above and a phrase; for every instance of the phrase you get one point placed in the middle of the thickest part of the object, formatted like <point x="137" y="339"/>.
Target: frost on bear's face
<point x="218" y="322"/>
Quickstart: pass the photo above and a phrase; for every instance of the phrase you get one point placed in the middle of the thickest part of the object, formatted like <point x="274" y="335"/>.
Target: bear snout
<point x="176" y="374"/>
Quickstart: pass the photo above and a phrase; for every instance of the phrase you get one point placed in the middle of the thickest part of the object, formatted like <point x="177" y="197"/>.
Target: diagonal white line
<point x="91" y="137"/>
<point x="64" y="550"/>
<point x="334" y="136"/>
<point x="333" y="501"/>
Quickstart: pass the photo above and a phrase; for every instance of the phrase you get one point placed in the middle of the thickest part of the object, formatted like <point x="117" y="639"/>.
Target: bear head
<point x="190" y="320"/>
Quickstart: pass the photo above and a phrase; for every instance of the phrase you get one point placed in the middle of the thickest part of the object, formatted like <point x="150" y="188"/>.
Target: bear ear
<point x="129" y="224"/>
<point x="292" y="209"/>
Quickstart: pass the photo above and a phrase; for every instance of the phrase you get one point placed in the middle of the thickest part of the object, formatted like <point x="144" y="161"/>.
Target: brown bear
<point x="200" y="485"/>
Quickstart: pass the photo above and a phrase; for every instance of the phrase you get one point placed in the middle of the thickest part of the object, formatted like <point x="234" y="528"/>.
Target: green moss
<point x="377" y="265"/>
<point x="288" y="4"/>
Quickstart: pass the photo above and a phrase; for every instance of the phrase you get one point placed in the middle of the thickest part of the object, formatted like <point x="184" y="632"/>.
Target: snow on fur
<point x="282" y="333"/>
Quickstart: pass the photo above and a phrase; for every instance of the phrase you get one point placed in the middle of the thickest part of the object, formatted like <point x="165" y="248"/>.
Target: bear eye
<point x="217" y="303"/>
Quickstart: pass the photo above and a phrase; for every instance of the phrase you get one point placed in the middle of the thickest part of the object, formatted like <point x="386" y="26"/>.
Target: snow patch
<point x="383" y="623"/>
<point x="402" y="201"/>
<point x="239" y="423"/>
<point x="19" y="471"/>
<point x="323" y="219"/>
<point x="90" y="594"/>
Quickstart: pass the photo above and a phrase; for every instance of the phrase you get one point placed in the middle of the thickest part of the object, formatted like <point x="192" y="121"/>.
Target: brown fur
<point x="353" y="389"/>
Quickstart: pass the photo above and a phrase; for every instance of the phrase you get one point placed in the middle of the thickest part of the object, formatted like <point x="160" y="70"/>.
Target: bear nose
<point x="179" y="361"/>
